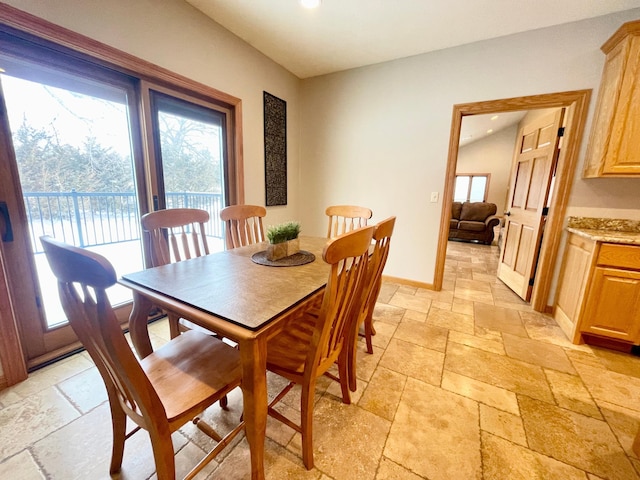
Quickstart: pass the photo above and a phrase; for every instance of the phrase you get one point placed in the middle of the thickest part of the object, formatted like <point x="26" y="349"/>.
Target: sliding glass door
<point x="73" y="148"/>
<point x="74" y="156"/>
<point x="85" y="151"/>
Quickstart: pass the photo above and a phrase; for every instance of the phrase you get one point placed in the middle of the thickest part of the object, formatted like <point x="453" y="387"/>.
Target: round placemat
<point x="294" y="260"/>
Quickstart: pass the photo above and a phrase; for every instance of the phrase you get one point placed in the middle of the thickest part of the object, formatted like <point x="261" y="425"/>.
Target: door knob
<point x="507" y="214"/>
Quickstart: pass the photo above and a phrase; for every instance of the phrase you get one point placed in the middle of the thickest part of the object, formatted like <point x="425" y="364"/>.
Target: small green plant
<point x="283" y="232"/>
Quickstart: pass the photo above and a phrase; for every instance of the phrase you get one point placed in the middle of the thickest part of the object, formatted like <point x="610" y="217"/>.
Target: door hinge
<point x="531" y="282"/>
<point x="38" y="301"/>
<point x="561" y="132"/>
<point x="545" y="211"/>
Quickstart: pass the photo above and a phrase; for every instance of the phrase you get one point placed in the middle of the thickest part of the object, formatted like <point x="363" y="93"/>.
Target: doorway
<point x="576" y="103"/>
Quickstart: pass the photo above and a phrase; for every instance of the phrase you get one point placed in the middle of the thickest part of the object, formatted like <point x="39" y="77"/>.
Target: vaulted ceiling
<point x="344" y="34"/>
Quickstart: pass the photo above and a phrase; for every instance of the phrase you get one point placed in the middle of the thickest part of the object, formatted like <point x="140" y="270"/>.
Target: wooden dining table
<point x="229" y="294"/>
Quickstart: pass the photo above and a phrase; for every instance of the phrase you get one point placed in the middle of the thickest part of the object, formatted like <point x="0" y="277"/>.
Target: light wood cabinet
<point x="613" y="305"/>
<point x="615" y="134"/>
<point x="574" y="275"/>
<point x="599" y="291"/>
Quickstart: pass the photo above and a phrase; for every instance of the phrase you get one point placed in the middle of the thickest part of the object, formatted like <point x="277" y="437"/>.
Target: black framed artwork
<point x="275" y="150"/>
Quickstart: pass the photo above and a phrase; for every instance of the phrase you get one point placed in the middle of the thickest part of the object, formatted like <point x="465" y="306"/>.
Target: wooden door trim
<point x="577" y="103"/>
<point x="13" y="277"/>
<point x="14" y="369"/>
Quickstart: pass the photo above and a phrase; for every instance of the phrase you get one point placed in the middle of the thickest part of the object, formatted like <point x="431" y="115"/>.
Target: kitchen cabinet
<point x="572" y="284"/>
<point x="612" y="307"/>
<point x="612" y="150"/>
<point x="599" y="290"/>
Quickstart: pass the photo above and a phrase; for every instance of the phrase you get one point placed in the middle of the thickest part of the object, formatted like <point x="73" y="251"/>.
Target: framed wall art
<point x="275" y="150"/>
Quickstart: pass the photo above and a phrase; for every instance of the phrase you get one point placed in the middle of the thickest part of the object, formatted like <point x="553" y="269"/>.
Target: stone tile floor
<point x="466" y="383"/>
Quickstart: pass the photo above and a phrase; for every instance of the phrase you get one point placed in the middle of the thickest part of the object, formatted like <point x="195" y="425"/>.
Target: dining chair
<point x="344" y="218"/>
<point x="159" y="393"/>
<point x="363" y="310"/>
<point x="243" y="225"/>
<point x="176" y="234"/>
<point x="309" y="345"/>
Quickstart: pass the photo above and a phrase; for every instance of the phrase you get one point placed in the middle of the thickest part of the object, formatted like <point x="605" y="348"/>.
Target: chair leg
<point x="370" y="322"/>
<point x="163" y="455"/>
<point x="352" y="350"/>
<point x="369" y="332"/>
<point x="343" y="372"/>
<point x="174" y="327"/>
<point x="119" y="427"/>
<point x="306" y="423"/>
<point x="369" y="329"/>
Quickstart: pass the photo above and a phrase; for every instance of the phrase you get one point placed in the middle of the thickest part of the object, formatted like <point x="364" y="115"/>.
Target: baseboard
<point x="608" y="343"/>
<point x="411" y="283"/>
<point x="548" y="309"/>
<point x="3" y="382"/>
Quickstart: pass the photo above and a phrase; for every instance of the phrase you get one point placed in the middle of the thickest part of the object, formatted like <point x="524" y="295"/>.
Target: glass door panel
<point x="190" y="164"/>
<point x="72" y="143"/>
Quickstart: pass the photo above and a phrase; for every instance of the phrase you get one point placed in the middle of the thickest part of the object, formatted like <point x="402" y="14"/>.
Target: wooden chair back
<point x="176" y="234"/>
<point x="312" y="342"/>
<point x="83" y="277"/>
<point x="373" y="281"/>
<point x="159" y="393"/>
<point x="243" y="225"/>
<point x="344" y="218"/>
<point x="348" y="255"/>
<point x="363" y="312"/>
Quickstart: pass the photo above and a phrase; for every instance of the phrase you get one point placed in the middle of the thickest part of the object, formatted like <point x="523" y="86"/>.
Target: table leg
<point x="138" y="325"/>
<point x="253" y="354"/>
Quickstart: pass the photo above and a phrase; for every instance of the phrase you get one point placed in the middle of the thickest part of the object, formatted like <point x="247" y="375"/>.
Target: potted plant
<point x="283" y="240"/>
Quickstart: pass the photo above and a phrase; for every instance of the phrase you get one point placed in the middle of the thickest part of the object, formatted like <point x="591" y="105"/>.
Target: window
<point x="91" y="139"/>
<point x="471" y="187"/>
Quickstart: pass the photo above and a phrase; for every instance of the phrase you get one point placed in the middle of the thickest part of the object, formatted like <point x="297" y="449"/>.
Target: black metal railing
<point x="87" y="219"/>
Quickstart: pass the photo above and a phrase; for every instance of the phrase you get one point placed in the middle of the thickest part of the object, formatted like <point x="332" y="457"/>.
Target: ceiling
<point x="477" y="127"/>
<point x="344" y="34"/>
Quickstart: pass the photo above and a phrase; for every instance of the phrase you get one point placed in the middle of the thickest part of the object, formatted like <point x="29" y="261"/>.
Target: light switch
<point x="434" y="197"/>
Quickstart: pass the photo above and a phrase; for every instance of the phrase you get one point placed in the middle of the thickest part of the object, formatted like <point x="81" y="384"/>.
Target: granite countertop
<point x="609" y="230"/>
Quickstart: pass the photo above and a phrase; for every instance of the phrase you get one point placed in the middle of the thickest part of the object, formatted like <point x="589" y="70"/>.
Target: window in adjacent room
<point x="471" y="187"/>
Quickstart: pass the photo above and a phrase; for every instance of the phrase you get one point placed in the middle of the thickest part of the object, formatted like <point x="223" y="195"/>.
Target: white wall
<point x="492" y="154"/>
<point x="378" y="135"/>
<point x="176" y="36"/>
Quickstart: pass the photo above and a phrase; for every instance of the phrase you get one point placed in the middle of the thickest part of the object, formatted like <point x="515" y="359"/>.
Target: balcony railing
<point x="87" y="219"/>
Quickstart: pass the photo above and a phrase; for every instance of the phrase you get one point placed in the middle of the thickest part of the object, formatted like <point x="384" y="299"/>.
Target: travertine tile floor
<point x="466" y="383"/>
